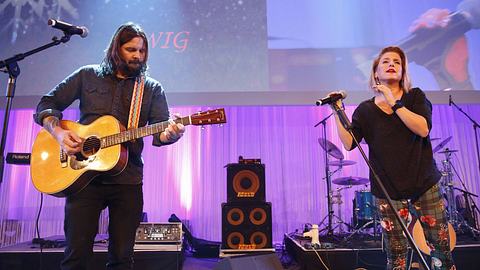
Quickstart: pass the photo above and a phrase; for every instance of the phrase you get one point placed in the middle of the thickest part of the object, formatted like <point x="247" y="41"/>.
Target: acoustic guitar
<point x="103" y="152"/>
<point x="419" y="237"/>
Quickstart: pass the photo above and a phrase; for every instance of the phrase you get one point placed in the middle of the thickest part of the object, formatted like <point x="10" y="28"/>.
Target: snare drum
<point x="364" y="207"/>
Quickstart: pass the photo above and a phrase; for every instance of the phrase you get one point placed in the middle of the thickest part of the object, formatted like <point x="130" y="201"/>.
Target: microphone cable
<point x="39" y="240"/>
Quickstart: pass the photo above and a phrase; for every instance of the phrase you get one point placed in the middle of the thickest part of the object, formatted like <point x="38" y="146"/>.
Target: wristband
<point x="398" y="105"/>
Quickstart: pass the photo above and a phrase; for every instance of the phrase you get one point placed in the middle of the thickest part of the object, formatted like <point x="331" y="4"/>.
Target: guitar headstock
<point x="210" y="117"/>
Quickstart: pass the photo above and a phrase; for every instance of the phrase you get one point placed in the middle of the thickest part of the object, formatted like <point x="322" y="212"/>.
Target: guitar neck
<point x="141" y="132"/>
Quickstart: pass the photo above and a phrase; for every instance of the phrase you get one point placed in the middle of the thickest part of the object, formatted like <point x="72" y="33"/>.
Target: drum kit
<point x="364" y="209"/>
<point x="364" y="206"/>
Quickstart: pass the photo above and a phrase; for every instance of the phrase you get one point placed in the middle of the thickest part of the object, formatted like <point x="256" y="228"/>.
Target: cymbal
<point x="441" y="144"/>
<point x="446" y="151"/>
<point x="331" y="148"/>
<point x="350" y="181"/>
<point x="341" y="162"/>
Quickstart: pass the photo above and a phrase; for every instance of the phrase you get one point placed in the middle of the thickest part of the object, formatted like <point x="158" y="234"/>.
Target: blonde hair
<point x="405" y="82"/>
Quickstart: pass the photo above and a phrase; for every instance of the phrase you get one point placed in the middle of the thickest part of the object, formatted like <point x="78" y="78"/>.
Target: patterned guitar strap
<point x="136" y="104"/>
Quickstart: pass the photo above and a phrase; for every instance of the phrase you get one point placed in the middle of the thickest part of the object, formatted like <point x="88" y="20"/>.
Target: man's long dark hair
<point x="124" y="34"/>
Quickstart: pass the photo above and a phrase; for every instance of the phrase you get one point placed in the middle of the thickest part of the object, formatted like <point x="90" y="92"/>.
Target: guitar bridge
<point x="80" y="164"/>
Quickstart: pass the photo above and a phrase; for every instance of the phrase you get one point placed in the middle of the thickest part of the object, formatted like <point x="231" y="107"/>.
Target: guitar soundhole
<point x="91" y="146"/>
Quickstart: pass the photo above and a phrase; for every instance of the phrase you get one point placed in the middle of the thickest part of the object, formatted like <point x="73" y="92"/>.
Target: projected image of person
<point x="440" y="45"/>
<point x="395" y="124"/>
<point x="107" y="89"/>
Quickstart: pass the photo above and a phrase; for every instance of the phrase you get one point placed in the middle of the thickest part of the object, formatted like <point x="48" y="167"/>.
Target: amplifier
<point x="158" y="233"/>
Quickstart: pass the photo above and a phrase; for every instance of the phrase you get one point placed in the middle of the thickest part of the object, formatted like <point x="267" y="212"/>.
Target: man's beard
<point x="131" y="68"/>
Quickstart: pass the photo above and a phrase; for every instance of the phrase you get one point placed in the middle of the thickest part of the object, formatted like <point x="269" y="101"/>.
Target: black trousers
<point x="82" y="212"/>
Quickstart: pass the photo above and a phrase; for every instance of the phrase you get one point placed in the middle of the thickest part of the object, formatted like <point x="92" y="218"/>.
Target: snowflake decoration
<point x="27" y="13"/>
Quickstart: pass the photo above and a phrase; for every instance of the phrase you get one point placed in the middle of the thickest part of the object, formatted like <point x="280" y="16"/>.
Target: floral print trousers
<point x="429" y="209"/>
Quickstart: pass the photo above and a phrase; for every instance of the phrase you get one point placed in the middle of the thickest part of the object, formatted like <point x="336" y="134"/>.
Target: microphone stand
<point x="323" y="120"/>
<point x="348" y="126"/>
<point x="475" y="126"/>
<point x="13" y="70"/>
<point x="327" y="177"/>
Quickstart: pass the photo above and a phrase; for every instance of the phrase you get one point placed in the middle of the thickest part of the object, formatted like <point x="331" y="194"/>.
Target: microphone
<point x="331" y="98"/>
<point x="449" y="100"/>
<point x="68" y="28"/>
<point x="471" y="10"/>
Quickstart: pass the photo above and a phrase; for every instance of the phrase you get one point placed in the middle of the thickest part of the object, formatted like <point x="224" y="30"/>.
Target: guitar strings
<point x="139" y="132"/>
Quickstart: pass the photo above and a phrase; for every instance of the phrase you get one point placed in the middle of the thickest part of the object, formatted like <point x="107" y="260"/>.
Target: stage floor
<point x="29" y="256"/>
<point x="360" y="252"/>
<point x="365" y="252"/>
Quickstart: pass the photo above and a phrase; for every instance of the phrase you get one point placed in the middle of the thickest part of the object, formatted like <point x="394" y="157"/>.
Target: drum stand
<point x="333" y="199"/>
<point x="469" y="219"/>
<point x="330" y="215"/>
<point x="447" y="189"/>
<point x="458" y="222"/>
<point x="337" y="199"/>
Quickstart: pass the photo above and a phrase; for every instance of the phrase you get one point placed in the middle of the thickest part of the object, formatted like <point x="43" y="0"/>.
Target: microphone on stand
<point x="332" y="98"/>
<point x="68" y="28"/>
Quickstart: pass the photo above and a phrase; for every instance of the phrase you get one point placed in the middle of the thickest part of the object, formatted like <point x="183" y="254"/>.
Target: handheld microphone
<point x="331" y="98"/>
<point x="68" y="28"/>
<point x="449" y="100"/>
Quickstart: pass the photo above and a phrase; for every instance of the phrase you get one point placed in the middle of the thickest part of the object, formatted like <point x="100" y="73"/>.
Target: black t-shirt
<point x="403" y="160"/>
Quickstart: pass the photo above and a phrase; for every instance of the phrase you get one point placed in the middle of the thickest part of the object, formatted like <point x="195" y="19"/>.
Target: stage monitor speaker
<point x="247" y="225"/>
<point x="256" y="262"/>
<point x="245" y="182"/>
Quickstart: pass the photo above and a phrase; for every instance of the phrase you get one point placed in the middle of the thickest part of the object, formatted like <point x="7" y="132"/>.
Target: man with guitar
<point x="118" y="87"/>
<point x="395" y="124"/>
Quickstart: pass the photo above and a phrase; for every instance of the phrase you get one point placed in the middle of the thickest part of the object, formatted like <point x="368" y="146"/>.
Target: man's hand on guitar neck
<point x="68" y="140"/>
<point x="173" y="132"/>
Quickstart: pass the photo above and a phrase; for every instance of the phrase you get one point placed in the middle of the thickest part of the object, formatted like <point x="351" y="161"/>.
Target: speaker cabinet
<point x="246" y="225"/>
<point x="257" y="262"/>
<point x="245" y="182"/>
